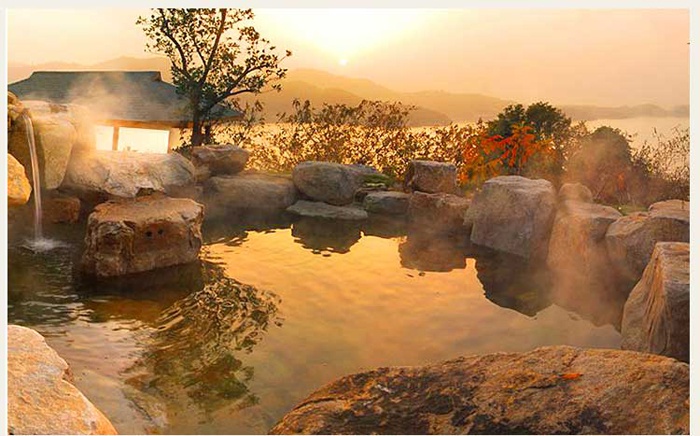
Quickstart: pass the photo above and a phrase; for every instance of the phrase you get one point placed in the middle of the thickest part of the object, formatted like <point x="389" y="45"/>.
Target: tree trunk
<point x="197" y="134"/>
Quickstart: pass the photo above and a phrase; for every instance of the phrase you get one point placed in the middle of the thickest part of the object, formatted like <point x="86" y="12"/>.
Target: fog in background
<point x="601" y="57"/>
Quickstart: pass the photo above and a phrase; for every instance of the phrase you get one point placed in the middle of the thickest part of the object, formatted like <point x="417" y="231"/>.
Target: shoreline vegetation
<point x="540" y="141"/>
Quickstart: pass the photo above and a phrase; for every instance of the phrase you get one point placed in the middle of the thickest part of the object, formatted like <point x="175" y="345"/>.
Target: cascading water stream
<point x="36" y="179"/>
<point x="39" y="243"/>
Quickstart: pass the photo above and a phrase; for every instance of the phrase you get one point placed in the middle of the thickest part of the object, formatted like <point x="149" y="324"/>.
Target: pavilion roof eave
<point x="156" y="124"/>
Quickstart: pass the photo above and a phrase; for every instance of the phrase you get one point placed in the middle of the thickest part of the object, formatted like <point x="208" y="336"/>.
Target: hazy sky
<point x="607" y="57"/>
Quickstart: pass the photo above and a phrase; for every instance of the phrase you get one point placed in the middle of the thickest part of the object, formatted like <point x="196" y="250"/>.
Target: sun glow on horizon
<point x="345" y="33"/>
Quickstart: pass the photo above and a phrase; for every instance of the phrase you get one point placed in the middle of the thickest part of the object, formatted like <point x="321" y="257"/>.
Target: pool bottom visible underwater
<point x="232" y="343"/>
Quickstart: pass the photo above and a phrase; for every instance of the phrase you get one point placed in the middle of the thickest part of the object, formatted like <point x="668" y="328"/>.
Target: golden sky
<point x="606" y="57"/>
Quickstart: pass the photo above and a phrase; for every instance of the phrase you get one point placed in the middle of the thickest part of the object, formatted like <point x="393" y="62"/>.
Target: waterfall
<point x="39" y="243"/>
<point x="36" y="179"/>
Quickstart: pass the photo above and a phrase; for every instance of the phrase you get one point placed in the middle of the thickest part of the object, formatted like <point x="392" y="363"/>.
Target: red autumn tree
<point x="485" y="156"/>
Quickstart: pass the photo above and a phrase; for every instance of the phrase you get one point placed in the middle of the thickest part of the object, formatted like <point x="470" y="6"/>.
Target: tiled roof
<point x="137" y="96"/>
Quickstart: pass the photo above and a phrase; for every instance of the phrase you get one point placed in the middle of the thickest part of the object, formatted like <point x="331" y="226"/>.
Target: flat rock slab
<point x="631" y="239"/>
<point x="550" y="390"/>
<point x="40" y="396"/>
<point x="330" y="182"/>
<point x="316" y="209"/>
<point x="431" y="177"/>
<point x="125" y="237"/>
<point x="514" y="215"/>
<point x="386" y="202"/>
<point x="249" y="191"/>
<point x="656" y="318"/>
<point x="124" y="174"/>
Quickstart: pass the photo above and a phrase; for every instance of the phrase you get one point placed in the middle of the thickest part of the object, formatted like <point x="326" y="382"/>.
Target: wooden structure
<point x="137" y="99"/>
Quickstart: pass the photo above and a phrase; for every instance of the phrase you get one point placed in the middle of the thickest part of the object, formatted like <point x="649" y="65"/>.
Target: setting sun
<point x="346" y="32"/>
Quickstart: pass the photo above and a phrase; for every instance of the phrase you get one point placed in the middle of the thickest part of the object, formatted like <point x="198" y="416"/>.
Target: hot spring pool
<point x="232" y="344"/>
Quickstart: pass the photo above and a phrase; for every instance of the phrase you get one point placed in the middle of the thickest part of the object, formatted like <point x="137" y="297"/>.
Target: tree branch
<point x="166" y="31"/>
<point x="212" y="54"/>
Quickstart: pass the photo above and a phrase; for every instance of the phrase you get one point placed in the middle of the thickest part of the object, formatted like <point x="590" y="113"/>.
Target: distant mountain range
<point x="432" y="107"/>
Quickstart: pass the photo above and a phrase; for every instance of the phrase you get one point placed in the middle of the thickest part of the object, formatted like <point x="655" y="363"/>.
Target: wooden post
<point x="115" y="138"/>
<point x="173" y="139"/>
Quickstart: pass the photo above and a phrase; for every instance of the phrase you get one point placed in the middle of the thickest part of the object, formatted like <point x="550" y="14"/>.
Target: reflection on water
<point x="323" y="236"/>
<point x="511" y="282"/>
<point x="231" y="343"/>
<point x="197" y="346"/>
<point x="426" y="252"/>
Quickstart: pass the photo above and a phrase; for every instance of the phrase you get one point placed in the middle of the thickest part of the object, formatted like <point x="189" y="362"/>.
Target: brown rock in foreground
<point x="40" y="397"/>
<point x="551" y="390"/>
<point x="131" y="236"/>
<point x="656" y="318"/>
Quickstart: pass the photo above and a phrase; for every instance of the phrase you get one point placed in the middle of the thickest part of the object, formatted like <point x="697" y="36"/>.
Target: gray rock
<point x="437" y="213"/>
<point x="330" y="182"/>
<point x="258" y="191"/>
<point x="124" y="174"/>
<point x="631" y="239"/>
<point x="576" y="192"/>
<point x="386" y="202"/>
<point x="220" y="159"/>
<point x="513" y="214"/>
<point x="41" y="398"/>
<point x="656" y="318"/>
<point x="316" y="209"/>
<point x="431" y="177"/>
<point x="550" y="390"/>
<point x="130" y="236"/>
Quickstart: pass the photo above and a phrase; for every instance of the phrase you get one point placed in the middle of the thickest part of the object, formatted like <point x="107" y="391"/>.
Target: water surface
<point x="268" y="316"/>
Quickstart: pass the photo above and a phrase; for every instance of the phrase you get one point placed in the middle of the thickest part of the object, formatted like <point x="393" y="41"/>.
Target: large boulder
<point x="18" y="187"/>
<point x="437" y="213"/>
<point x="513" y="214"/>
<point x="317" y="209"/>
<point x="110" y="174"/>
<point x="432" y="177"/>
<point x="54" y="137"/>
<point x="631" y="239"/>
<point x="577" y="255"/>
<point x="386" y="202"/>
<point x="656" y="318"/>
<point x="550" y="390"/>
<point x="580" y="266"/>
<point x="41" y="398"/>
<point x="131" y="236"/>
<point x="220" y="159"/>
<point x="330" y="182"/>
<point x="250" y="191"/>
